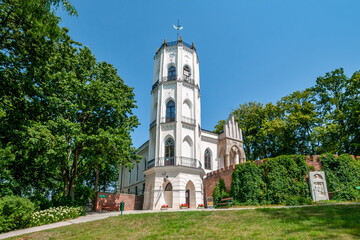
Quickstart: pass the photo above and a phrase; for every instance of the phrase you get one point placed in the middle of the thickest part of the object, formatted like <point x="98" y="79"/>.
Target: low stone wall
<point x="111" y="202"/>
<point x="213" y="178"/>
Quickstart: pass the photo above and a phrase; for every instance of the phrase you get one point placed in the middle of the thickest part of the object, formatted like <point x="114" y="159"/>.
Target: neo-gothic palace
<point x="179" y="152"/>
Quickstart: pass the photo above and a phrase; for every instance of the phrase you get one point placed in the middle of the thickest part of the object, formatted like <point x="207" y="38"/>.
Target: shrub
<point x="284" y="177"/>
<point x="280" y="180"/>
<point x="342" y="176"/>
<point x="57" y="214"/>
<point x="15" y="213"/>
<point x="247" y="184"/>
<point x="220" y="191"/>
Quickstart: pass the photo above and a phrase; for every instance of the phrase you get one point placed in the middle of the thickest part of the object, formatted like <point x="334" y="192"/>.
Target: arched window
<point x="172" y="73"/>
<point x="207" y="159"/>
<point x="187" y="72"/>
<point x="170" y="111"/>
<point x="168" y="187"/>
<point x="169" y="152"/>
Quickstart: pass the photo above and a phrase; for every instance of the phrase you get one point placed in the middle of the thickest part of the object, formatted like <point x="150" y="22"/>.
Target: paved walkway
<point x="97" y="216"/>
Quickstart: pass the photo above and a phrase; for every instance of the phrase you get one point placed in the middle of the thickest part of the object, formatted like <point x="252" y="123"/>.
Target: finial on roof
<point x="165" y="42"/>
<point x="193" y="46"/>
<point x="157" y="50"/>
<point x="180" y="39"/>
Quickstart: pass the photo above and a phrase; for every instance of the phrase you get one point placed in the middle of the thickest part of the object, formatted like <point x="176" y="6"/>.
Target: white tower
<point x="175" y="172"/>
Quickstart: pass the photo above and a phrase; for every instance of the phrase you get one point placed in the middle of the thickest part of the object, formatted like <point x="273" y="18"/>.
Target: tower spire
<point x="178" y="28"/>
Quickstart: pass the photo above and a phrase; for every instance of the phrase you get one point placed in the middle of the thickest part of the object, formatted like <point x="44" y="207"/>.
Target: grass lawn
<point x="320" y="222"/>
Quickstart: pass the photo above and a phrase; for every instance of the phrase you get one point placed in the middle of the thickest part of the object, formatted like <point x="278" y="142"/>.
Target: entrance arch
<point x="168" y="194"/>
<point x="190" y="198"/>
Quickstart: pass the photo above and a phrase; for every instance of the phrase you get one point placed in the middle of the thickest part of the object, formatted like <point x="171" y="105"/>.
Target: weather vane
<point x="178" y="28"/>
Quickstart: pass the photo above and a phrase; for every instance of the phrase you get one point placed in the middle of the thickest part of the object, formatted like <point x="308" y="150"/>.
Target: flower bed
<point x="164" y="207"/>
<point x="53" y="215"/>
<point x="183" y="206"/>
<point x="200" y="205"/>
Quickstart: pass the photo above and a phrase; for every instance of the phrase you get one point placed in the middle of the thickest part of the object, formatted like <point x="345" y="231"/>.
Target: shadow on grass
<point x="319" y="219"/>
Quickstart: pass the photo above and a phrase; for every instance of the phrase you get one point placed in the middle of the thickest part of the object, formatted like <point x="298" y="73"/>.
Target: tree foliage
<point x="62" y="112"/>
<point x="320" y="119"/>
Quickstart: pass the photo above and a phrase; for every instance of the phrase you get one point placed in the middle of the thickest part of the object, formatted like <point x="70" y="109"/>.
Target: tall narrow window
<point x="172" y="73"/>
<point x="137" y="171"/>
<point x="170" y="111"/>
<point x="129" y="178"/>
<point x="169" y="152"/>
<point x="207" y="159"/>
<point x="187" y="73"/>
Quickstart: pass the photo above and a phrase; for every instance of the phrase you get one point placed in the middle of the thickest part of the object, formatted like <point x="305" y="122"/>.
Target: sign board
<point x="209" y="202"/>
<point x="318" y="186"/>
<point x="102" y="196"/>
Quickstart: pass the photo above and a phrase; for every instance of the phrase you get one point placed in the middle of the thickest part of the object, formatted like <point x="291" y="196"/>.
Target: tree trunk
<point x="96" y="179"/>
<point x="72" y="189"/>
<point x="66" y="186"/>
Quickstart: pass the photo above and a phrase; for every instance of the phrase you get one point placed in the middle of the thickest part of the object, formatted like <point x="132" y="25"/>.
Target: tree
<point x="300" y="118"/>
<point x="249" y="117"/>
<point x="28" y="33"/>
<point x="336" y="98"/>
<point x="219" y="128"/>
<point x="62" y="113"/>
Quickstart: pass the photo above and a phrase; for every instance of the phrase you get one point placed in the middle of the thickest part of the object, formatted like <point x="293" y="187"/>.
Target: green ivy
<point x="284" y="177"/>
<point x="247" y="184"/>
<point x="279" y="180"/>
<point x="342" y="176"/>
<point x="220" y="191"/>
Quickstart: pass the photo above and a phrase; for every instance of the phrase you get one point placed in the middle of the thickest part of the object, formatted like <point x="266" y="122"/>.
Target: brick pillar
<point x="227" y="160"/>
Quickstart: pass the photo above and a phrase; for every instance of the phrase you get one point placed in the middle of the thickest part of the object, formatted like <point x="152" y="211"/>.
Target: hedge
<point x="15" y="213"/>
<point x="342" y="176"/>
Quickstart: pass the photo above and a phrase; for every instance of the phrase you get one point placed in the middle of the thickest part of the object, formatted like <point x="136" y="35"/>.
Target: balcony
<point x="174" y="161"/>
<point x="153" y="124"/>
<point x="151" y="163"/>
<point x="188" y="120"/>
<point x="168" y="119"/>
<point x="169" y="78"/>
<point x="188" y="80"/>
<point x="172" y="78"/>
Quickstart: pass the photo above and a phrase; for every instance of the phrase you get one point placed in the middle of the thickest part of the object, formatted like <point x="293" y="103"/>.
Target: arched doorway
<point x="190" y="198"/>
<point x="168" y="194"/>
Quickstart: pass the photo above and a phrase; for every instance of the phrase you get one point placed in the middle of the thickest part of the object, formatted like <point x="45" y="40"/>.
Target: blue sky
<point x="248" y="50"/>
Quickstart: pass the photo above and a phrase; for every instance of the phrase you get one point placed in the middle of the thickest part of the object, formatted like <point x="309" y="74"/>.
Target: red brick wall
<point x="212" y="178"/>
<point x="112" y="202"/>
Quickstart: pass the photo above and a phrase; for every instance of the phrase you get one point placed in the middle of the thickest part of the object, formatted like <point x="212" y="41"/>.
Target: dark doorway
<point x="187" y="195"/>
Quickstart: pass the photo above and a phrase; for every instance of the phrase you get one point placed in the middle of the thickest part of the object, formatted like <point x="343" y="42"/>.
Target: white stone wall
<point x="209" y="140"/>
<point x="181" y="179"/>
